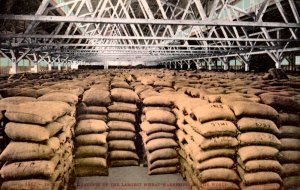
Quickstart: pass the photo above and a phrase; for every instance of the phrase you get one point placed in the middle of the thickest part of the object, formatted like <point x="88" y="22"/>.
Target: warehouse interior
<point x="150" y="94"/>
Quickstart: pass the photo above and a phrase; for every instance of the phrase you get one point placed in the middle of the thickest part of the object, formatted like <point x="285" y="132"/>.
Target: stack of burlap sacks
<point x="207" y="137"/>
<point x="91" y="132"/>
<point x="259" y="145"/>
<point x="94" y="102"/>
<point x="37" y="158"/>
<point x="158" y="134"/>
<point x="67" y="134"/>
<point x="4" y="104"/>
<point x="289" y="155"/>
<point x="122" y="124"/>
<point x="289" y="122"/>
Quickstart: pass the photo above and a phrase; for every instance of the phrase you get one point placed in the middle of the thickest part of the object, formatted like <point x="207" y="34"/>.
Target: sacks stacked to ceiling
<point x="259" y="146"/>
<point x="122" y="120"/>
<point x="36" y="157"/>
<point x="158" y="134"/>
<point x="91" y="132"/>
<point x="207" y="137"/>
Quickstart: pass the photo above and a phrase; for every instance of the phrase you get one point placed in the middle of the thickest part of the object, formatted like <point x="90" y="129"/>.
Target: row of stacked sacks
<point x="158" y="125"/>
<point x="257" y="158"/>
<point x="282" y="99"/>
<point x="66" y="135"/>
<point x="207" y="136"/>
<point x="247" y="128"/>
<point x="39" y="87"/>
<point x="38" y="155"/>
<point x="259" y="144"/>
<point x="158" y="133"/>
<point x="91" y="132"/>
<point x="46" y="90"/>
<point x="289" y="155"/>
<point x="122" y="117"/>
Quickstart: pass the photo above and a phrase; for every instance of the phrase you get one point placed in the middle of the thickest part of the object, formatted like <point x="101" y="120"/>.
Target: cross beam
<point x="42" y="36"/>
<point x="205" y="22"/>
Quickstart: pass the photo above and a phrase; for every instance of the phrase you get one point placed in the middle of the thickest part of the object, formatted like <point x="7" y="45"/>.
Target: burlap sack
<point x="123" y="107"/>
<point x="122" y="116"/>
<point x="290" y="170"/>
<point x="158" y="135"/>
<point x="10" y="101"/>
<point x="291" y="183"/>
<point x="290" y="144"/>
<point x="213" y="111"/>
<point x="122" y="163"/>
<point x="160" y="116"/>
<point x="124" y="95"/>
<point x="261" y="178"/>
<point x="219" y="174"/>
<point x="289" y="156"/>
<point x="163" y="163"/>
<point x="120" y="126"/>
<point x="40" y="112"/>
<point x="83" y="109"/>
<point x="121" y="135"/>
<point x="161" y="101"/>
<point x="28" y="169"/>
<point x="214" y="128"/>
<point x="90" y="126"/>
<point x="60" y="96"/>
<point x="97" y="162"/>
<point x="218" y="162"/>
<point x="18" y="151"/>
<point x="91" y="139"/>
<point x="28" y="184"/>
<point x="26" y="132"/>
<point x="96" y="97"/>
<point x="252" y="109"/>
<point x="122" y="145"/>
<point x="161" y="154"/>
<point x="288" y="131"/>
<point x="91" y="151"/>
<point x="257" y="152"/>
<point x="155" y="127"/>
<point x="261" y="165"/>
<point x="259" y="138"/>
<point x="92" y="116"/>
<point x="219" y="142"/>
<point x="247" y="124"/>
<point x="123" y="155"/>
<point x="160" y="144"/>
<point x="163" y="170"/>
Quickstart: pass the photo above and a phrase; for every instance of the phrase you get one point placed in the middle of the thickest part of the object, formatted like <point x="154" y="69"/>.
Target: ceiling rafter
<point x="182" y="28"/>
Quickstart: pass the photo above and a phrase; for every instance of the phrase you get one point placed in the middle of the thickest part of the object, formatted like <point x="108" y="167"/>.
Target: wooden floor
<point x="132" y="178"/>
